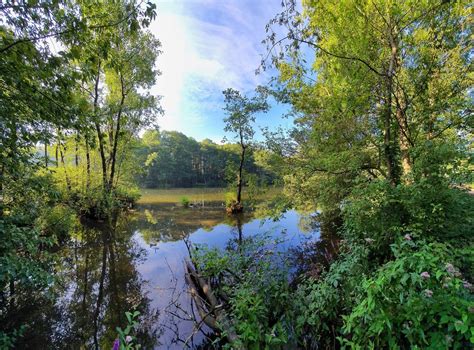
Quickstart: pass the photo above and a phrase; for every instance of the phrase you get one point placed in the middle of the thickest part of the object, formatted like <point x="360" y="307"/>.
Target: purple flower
<point x="467" y="285"/>
<point x="428" y="293"/>
<point x="407" y="237"/>
<point x="450" y="268"/>
<point x="425" y="275"/>
<point x="128" y="339"/>
<point x="116" y="344"/>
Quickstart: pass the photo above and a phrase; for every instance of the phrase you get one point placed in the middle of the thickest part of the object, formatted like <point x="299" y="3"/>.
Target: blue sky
<point x="209" y="45"/>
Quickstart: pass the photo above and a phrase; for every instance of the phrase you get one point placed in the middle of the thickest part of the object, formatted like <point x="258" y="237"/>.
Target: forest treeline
<point x="162" y="159"/>
<point x="171" y="159"/>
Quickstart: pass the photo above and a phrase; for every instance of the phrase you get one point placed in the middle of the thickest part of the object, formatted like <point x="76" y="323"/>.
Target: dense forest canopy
<point x="381" y="148"/>
<point x="174" y="160"/>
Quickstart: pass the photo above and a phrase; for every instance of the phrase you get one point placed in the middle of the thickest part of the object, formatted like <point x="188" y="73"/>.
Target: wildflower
<point x="467" y="285"/>
<point x="370" y="240"/>
<point x="407" y="237"/>
<point x="128" y="339"/>
<point x="450" y="268"/>
<point x="425" y="275"/>
<point x="428" y="293"/>
<point x="116" y="345"/>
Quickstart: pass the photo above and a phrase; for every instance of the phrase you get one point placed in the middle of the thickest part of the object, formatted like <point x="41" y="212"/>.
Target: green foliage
<point x="125" y="337"/>
<point x="8" y="340"/>
<point x="172" y="159"/>
<point x="426" y="209"/>
<point x="184" y="201"/>
<point x="319" y="304"/>
<point x="418" y="301"/>
<point x="57" y="221"/>
<point x="253" y="276"/>
<point x="230" y="198"/>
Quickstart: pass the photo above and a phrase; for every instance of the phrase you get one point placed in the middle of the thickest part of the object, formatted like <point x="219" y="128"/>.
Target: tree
<point x="240" y="112"/>
<point x="118" y="65"/>
<point x="380" y="92"/>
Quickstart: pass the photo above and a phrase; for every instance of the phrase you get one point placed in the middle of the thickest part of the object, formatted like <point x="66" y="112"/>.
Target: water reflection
<point x="97" y="281"/>
<point x="160" y="229"/>
<point x="135" y="262"/>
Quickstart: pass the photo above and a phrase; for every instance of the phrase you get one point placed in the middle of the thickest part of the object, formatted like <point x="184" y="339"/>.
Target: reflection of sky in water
<point x="163" y="267"/>
<point x="138" y="262"/>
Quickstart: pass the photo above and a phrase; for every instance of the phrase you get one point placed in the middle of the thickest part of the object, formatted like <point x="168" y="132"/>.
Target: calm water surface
<point x="136" y="262"/>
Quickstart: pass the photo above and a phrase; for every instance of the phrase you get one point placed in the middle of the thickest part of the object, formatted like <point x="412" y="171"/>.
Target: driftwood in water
<point x="210" y="310"/>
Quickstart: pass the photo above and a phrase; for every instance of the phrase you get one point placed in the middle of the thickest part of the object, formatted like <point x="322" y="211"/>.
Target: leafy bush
<point x="418" y="301"/>
<point x="318" y="304"/>
<point x="185" y="201"/>
<point x="427" y="209"/>
<point x="57" y="221"/>
<point x="230" y="198"/>
<point x="255" y="281"/>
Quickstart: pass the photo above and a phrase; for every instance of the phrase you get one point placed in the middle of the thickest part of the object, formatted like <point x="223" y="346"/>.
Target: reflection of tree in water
<point x="170" y="223"/>
<point x="98" y="283"/>
<point x="313" y="257"/>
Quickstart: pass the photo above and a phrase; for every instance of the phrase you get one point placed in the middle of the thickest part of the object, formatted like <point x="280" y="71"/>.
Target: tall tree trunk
<point x="100" y="135"/>
<point x="2" y="172"/>
<point x="390" y="134"/>
<point x="68" y="181"/>
<point x="239" y="178"/>
<point x="88" y="163"/>
<point x="45" y="153"/>
<point x="113" y="157"/>
<point x="76" y="150"/>
<point x="404" y="141"/>
<point x="57" y="155"/>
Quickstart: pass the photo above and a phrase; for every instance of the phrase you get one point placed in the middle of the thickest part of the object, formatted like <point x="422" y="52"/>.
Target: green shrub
<point x="57" y="221"/>
<point x="256" y="285"/>
<point x="185" y="201"/>
<point x="319" y="304"/>
<point x="230" y="198"/>
<point x="419" y="301"/>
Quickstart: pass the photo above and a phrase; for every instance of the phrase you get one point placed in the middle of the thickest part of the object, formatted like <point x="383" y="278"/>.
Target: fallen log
<point x="210" y="310"/>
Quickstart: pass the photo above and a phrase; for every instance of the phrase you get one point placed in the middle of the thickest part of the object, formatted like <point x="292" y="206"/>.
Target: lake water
<point x="137" y="262"/>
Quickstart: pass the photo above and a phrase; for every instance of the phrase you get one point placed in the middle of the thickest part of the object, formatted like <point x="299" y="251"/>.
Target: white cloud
<point x="207" y="46"/>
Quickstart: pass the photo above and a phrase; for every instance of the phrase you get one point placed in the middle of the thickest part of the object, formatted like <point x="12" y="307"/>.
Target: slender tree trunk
<point x="390" y="144"/>
<point x="404" y="141"/>
<point x="57" y="155"/>
<point x="76" y="150"/>
<point x="100" y="136"/>
<point x="68" y="181"/>
<point x="88" y="163"/>
<point x="2" y="171"/>
<point x="239" y="178"/>
<point x="45" y="153"/>
<point x="113" y="157"/>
